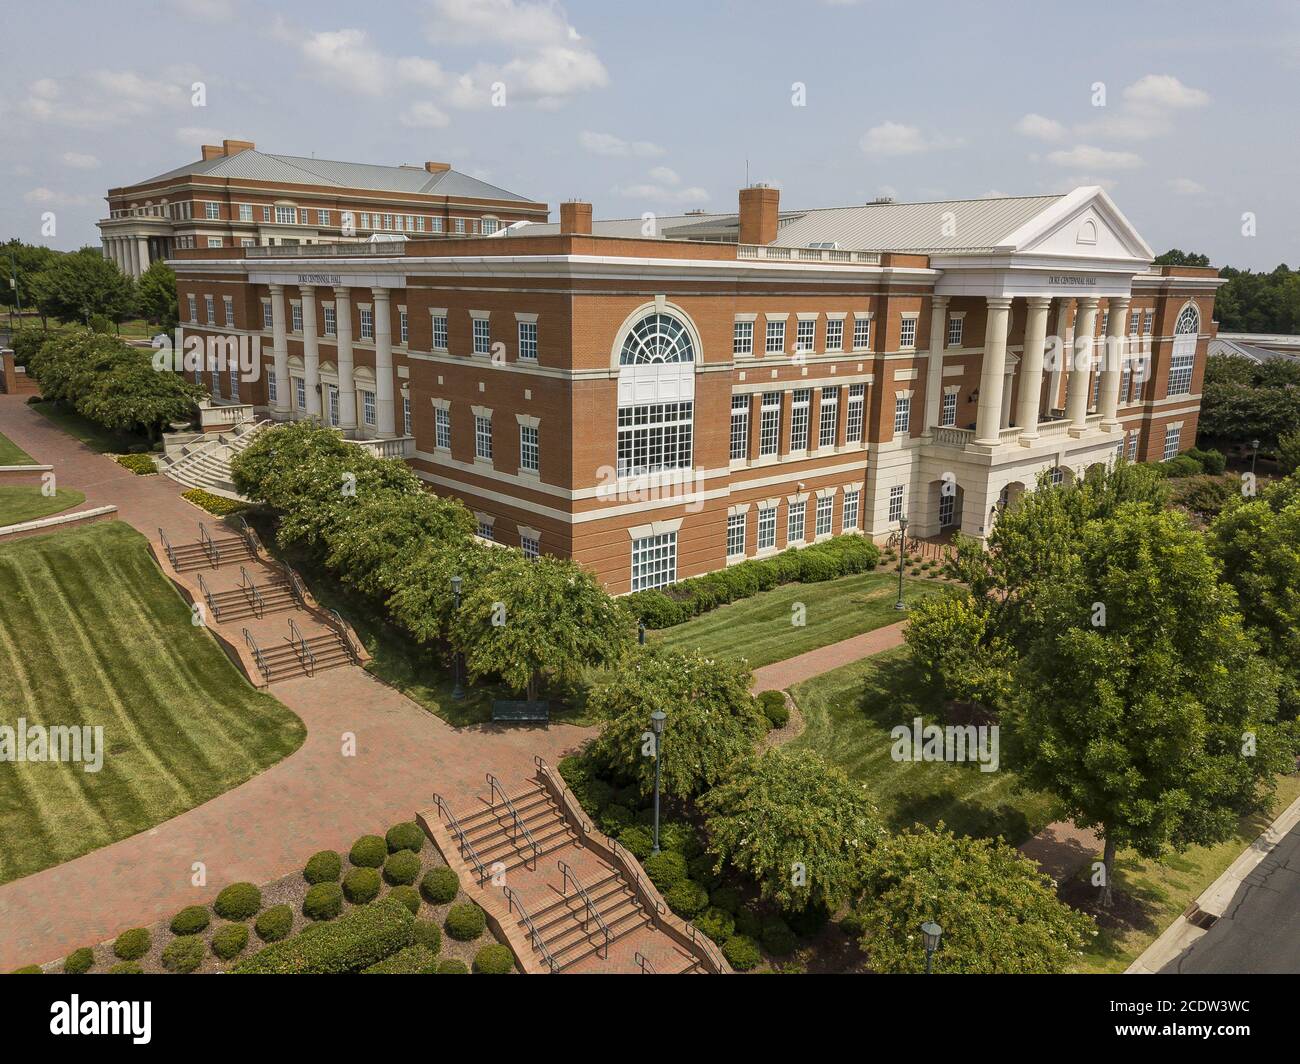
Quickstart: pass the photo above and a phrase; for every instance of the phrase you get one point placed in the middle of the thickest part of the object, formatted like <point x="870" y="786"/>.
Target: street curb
<point x="1214" y="900"/>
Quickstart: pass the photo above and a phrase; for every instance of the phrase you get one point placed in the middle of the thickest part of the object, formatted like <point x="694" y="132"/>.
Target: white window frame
<point x="769" y="424"/>
<point x="483" y="437"/>
<point x="948" y="410"/>
<point x="824" y="516"/>
<point x="857" y="407"/>
<point x="902" y="413"/>
<point x="739" y="428"/>
<point x="897" y="499"/>
<point x="742" y="338"/>
<point x="796" y="521"/>
<point x="766" y="528"/>
<point x="955" y="325"/>
<point x="736" y="535"/>
<point x="482" y="336"/>
<point x="528" y="341"/>
<point x="828" y="417"/>
<point x="530" y="451"/>
<point x="774" y="343"/>
<point x="850" y="509"/>
<point x="1173" y="439"/>
<point x="907" y="333"/>
<point x="861" y="333"/>
<point x="654" y="561"/>
<point x="834" y="334"/>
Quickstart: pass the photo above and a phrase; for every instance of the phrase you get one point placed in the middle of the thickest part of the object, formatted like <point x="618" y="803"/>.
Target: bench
<point x="521" y="711"/>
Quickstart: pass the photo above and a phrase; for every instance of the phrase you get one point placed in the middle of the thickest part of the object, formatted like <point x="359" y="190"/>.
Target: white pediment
<point x="1085" y="224"/>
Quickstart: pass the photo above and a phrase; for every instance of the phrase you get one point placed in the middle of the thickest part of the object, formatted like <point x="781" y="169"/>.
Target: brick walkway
<point x="781" y="675"/>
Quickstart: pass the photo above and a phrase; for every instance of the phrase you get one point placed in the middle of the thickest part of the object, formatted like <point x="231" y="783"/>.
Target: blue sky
<point x="660" y="106"/>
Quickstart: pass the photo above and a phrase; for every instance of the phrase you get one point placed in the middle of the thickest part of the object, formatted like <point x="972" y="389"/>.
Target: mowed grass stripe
<point x="95" y="633"/>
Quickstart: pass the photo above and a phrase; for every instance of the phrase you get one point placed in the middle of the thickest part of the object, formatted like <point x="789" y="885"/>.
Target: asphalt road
<point x="1259" y="933"/>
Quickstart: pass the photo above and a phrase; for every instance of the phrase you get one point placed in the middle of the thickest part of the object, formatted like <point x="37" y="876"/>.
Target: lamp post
<point x="930" y="935"/>
<point x="458" y="691"/>
<point x="1254" y="454"/>
<point x="657" y="719"/>
<point x="902" y="555"/>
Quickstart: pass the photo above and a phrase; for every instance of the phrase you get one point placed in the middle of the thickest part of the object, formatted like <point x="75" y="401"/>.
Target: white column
<point x="131" y="270"/>
<point x="383" y="365"/>
<point x="1112" y="359"/>
<point x="989" y="413"/>
<point x="142" y="250"/>
<point x="1076" y="396"/>
<point x="1031" y="366"/>
<point x="1008" y="387"/>
<point x="310" y="349"/>
<point x="347" y="382"/>
<point x="1064" y="320"/>
<point x="280" y="352"/>
<point x="934" y="367"/>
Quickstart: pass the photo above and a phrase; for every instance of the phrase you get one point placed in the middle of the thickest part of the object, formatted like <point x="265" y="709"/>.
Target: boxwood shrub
<point x="726" y="898"/>
<point x="368" y="851"/>
<point x="402" y="868"/>
<point x="408" y="896"/>
<point x="183" y="954"/>
<point x="637" y="840"/>
<point x="361" y="937"/>
<point x="132" y="945"/>
<point x="324" y="901"/>
<point x="465" y="922"/>
<point x="440" y="885"/>
<point x="79" y="961"/>
<point x="239" y="901"/>
<point x="666" y="869"/>
<point x="361" y="885"/>
<point x="230" y="940"/>
<point x="127" y="968"/>
<point x="29" y="969"/>
<point x="428" y="933"/>
<point x="717" y="923"/>
<point x="615" y="818"/>
<point x="407" y="835"/>
<point x="274" y="923"/>
<point x="494" y="960"/>
<point x="452" y="966"/>
<point x="741" y="952"/>
<point x="410" y="960"/>
<point x="777" y="938"/>
<point x="687" y="898"/>
<point x="772" y="703"/>
<point x="324" y="866"/>
<point x="190" y="920"/>
<point x="749" y="922"/>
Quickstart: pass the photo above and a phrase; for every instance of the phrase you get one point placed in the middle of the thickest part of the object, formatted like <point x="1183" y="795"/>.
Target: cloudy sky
<point x="1184" y="110"/>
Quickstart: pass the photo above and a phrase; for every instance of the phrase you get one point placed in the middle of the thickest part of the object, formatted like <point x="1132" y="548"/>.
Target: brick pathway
<point x="781" y="675"/>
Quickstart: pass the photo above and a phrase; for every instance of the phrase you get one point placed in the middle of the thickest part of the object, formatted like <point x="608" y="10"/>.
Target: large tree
<point x="83" y="285"/>
<point x="1242" y="401"/>
<point x="156" y="295"/>
<point x="21" y="263"/>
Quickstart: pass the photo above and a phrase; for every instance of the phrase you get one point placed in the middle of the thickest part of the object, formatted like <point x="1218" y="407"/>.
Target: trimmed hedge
<point x="239" y="901"/>
<point x="132" y="945"/>
<point x="79" y="961"/>
<point x="408" y="896"/>
<point x="190" y="920"/>
<point x="405" y="836"/>
<point x="452" y="966"/>
<point x="741" y="952"/>
<point x="217" y="505"/>
<point x="440" y="885"/>
<point x="772" y="703"/>
<point x="274" y="924"/>
<point x="687" y="899"/>
<point x="360" y="938"/>
<point x="412" y="960"/>
<point x="139" y="464"/>
<point x="324" y="866"/>
<point x="29" y="969"/>
<point x="717" y="923"/>
<point x="428" y="933"/>
<point x="230" y="940"/>
<point x="465" y="922"/>
<point x="183" y="954"/>
<point x="127" y="968"/>
<point x="666" y="869"/>
<point x="361" y="885"/>
<point x="677" y="603"/>
<point x="494" y="960"/>
<point x="324" y="901"/>
<point x="368" y="851"/>
<point x="402" y="868"/>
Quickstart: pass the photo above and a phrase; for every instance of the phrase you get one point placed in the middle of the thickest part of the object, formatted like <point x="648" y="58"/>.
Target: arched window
<point x="1183" y="357"/>
<point x="656" y="338"/>
<point x="1189" y="321"/>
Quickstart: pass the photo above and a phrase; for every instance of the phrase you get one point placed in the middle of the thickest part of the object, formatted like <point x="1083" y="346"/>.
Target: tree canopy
<point x="82" y="285"/>
<point x="1242" y="401"/>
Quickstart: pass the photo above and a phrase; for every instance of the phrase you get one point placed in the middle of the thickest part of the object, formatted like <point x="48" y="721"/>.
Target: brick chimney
<point x="212" y="151"/>
<point x="437" y="168"/>
<point x="234" y="147"/>
<point x="575" y="217"/>
<point x="758" y="212"/>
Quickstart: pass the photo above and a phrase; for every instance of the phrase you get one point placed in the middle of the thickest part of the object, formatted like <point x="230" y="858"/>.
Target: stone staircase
<point x="205" y="461"/>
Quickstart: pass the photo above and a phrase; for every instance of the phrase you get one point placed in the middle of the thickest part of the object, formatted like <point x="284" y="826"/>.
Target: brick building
<point x="237" y="196"/>
<point x="659" y="398"/>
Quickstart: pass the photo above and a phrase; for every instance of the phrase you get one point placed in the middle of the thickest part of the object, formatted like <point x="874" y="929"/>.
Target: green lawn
<point x="92" y="434"/>
<point x="92" y="634"/>
<point x="762" y="629"/>
<point x="1152" y="894"/>
<point x="12" y="454"/>
<point x="24" y="502"/>
<point x="849" y="713"/>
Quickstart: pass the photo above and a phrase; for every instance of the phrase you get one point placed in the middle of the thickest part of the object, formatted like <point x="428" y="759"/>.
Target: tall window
<point x="406" y="415"/>
<point x="211" y="211"/>
<point x="825" y="503"/>
<point x="828" y="416"/>
<point x="735" y="535"/>
<point x="194" y="308"/>
<point x="954" y="331"/>
<point x="1125" y="378"/>
<point x="775" y="337"/>
<point x="654" y="437"/>
<point x="1134" y="319"/>
<point x="529" y="545"/>
<point x="245" y="212"/>
<point x="654" y="561"/>
<point x="1172" y="435"/>
<point x="1133" y="445"/>
<point x="907" y="332"/>
<point x="331" y="322"/>
<point x="800" y="399"/>
<point x="439" y="332"/>
<point x="769" y="424"/>
<point x="230" y="312"/>
<point x="1096" y="387"/>
<point x="210" y="306"/>
<point x="805" y="335"/>
<point x="767" y="527"/>
<point x="442" y="428"/>
<point x="529" y="452"/>
<point x="739" y="427"/>
<point x="861" y="334"/>
<point x="482" y="336"/>
<point x="482" y="436"/>
<point x="948" y="414"/>
<point x="299" y="391"/>
<point x="295" y="315"/>
<point x="369" y="411"/>
<point x="367" y="323"/>
<point x="857" y="403"/>
<point x="896" y="502"/>
<point x="947" y="509"/>
<point x="403" y="325"/>
<point x="851" y="502"/>
<point x="1148" y="317"/>
<point x="234" y="382"/>
<point x="528" y="340"/>
<point x="794" y="521"/>
<point x="1184" y="353"/>
<point x="835" y="334"/>
<point x="902" y="413"/>
<point x="322" y="217"/>
<point x="742" y="338"/>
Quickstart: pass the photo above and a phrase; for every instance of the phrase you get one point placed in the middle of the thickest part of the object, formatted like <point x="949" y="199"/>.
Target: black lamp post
<point x="902" y="555"/>
<point x="1254" y="454"/>
<point x="657" y="719"/>
<point x="458" y="691"/>
<point x="930" y="935"/>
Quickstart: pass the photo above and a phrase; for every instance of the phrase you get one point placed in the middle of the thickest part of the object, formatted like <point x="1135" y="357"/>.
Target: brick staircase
<point x="566" y="898"/>
<point x="205" y="463"/>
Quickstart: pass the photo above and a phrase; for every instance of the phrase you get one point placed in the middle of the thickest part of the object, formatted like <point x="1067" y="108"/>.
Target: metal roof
<point x="1222" y="345"/>
<point x="292" y="169"/>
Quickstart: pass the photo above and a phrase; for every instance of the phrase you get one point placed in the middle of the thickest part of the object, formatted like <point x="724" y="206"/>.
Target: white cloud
<point x="424" y="116"/>
<point x="1185" y="186"/>
<point x="1085" y="155"/>
<point x="665" y="175"/>
<point x="504" y="22"/>
<point x="1147" y="109"/>
<point x="894" y="138"/>
<point x="1036" y="125"/>
<point x="348" y="58"/>
<point x="80" y="161"/>
<point x="660" y="194"/>
<point x="47" y="197"/>
<point x="102" y="98"/>
<point x="1077" y="180"/>
<point x="1164" y="91"/>
<point x="611" y="145"/>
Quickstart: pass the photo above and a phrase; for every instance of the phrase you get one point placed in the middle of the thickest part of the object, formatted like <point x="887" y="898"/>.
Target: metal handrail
<point x="305" y="655"/>
<point x="207" y="597"/>
<point x="251" y="593"/>
<point x="660" y="908"/>
<point x="467" y="851"/>
<point x="340" y="626"/>
<point x="702" y="942"/>
<point x="538" y="942"/>
<point x="643" y="962"/>
<point x="295" y="585"/>
<point x="568" y="877"/>
<point x="251" y="539"/>
<point x="496" y="788"/>
<point x="171" y="554"/>
<point x="206" y="542"/>
<point x="257" y="655"/>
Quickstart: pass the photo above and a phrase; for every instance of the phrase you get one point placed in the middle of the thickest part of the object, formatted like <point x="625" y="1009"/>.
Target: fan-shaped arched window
<point x="657" y="338"/>
<point x="1183" y="357"/>
<point x="1189" y="321"/>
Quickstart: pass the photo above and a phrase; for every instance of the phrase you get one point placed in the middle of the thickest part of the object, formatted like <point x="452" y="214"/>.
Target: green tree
<point x="999" y="913"/>
<point x="798" y="826"/>
<point x="1288" y="452"/>
<point x="1178" y="257"/>
<point x="79" y="286"/>
<point x="21" y="263"/>
<point x="955" y="647"/>
<point x="156" y="296"/>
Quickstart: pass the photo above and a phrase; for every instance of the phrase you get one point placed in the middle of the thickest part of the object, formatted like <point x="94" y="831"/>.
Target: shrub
<point x="494" y="960"/>
<point x="687" y="899"/>
<point x="361" y="937"/>
<point x="239" y="901"/>
<point x="749" y="922"/>
<point x="816" y="566"/>
<point x="615" y="818"/>
<point x="727" y="899"/>
<point x="402" y="868"/>
<point x="324" y="901"/>
<point x="217" y="505"/>
<point x="440" y="885"/>
<point x="451" y="966"/>
<point x="741" y="952"/>
<point x="1212" y="462"/>
<point x="411" y="960"/>
<point x="778" y="939"/>
<point x="465" y="922"/>
<point x="361" y="885"/>
<point x="702" y="870"/>
<point x="807" y="922"/>
<point x="1181" y="466"/>
<point x="274" y="924"/>
<point x="368" y="851"/>
<point x="127" y="968"/>
<point x="190" y="920"/>
<point x="324" y="866"/>
<point x="407" y="835"/>
<point x="183" y="954"/>
<point x="666" y="869"/>
<point x="132" y="945"/>
<point x="717" y="923"/>
<point x="230" y="940"/>
<point x="429" y="934"/>
<point x="139" y="464"/>
<point x="772" y="703"/>
<point x="679" y="836"/>
<point x="29" y="969"/>
<point x="408" y="896"/>
<point x="637" y="840"/>
<point x="79" y="961"/>
<point x="852" y="925"/>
